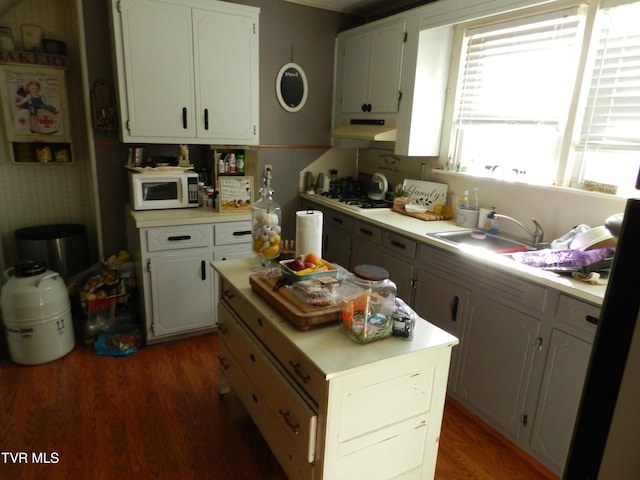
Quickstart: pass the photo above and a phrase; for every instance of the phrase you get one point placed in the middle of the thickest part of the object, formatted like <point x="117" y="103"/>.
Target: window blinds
<point x="612" y="113"/>
<point x="519" y="72"/>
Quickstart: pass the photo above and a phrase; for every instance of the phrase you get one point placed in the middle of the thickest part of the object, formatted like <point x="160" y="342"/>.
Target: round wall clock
<point x="291" y="87"/>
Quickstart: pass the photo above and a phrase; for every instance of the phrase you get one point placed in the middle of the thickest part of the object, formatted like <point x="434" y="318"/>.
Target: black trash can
<point x="62" y="247"/>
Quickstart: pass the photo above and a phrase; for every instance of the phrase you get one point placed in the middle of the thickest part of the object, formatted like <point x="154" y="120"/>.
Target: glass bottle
<point x="368" y="304"/>
<point x="265" y="221"/>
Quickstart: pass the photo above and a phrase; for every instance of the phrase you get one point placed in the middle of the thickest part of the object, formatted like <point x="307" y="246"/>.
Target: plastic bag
<point x="123" y="340"/>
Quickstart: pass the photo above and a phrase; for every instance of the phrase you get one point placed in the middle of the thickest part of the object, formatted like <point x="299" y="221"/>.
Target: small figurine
<point x="183" y="157"/>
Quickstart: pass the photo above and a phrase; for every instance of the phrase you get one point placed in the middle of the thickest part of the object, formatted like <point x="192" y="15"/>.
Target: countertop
<point x="184" y="216"/>
<point x="330" y="350"/>
<point x="418" y="229"/>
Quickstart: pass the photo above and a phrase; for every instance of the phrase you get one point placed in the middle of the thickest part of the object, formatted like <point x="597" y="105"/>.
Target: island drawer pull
<point x="298" y="369"/>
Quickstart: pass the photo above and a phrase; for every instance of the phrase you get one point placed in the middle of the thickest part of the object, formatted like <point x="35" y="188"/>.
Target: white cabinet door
<point x="158" y="61"/>
<point x="182" y="288"/>
<point x="185" y="73"/>
<point x="372" y="68"/>
<point x="226" y="76"/>
<point x="496" y="364"/>
<point x="444" y="304"/>
<point x="564" y="375"/>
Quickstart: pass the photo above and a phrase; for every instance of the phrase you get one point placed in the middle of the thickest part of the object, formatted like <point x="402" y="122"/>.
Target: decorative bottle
<point x="265" y="221"/>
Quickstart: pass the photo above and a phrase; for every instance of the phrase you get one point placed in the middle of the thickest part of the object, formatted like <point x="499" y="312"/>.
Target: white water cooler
<point x="36" y="313"/>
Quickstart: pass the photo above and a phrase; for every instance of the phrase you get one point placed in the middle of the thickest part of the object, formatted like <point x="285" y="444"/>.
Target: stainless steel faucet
<point x="537" y="236"/>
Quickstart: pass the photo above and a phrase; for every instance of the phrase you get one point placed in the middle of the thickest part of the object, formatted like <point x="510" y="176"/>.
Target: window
<point x="608" y="147"/>
<point x="517" y="89"/>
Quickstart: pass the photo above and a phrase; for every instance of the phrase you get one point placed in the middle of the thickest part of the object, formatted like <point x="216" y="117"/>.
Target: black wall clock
<point x="291" y="87"/>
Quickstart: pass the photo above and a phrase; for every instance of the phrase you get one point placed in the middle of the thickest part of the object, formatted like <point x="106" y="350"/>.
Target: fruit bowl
<point x="322" y="269"/>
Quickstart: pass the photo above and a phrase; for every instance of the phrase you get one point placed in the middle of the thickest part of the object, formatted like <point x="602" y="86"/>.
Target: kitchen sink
<point x="488" y="241"/>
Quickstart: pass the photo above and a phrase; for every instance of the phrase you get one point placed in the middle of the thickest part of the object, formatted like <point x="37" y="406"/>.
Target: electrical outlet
<point x="268" y="166"/>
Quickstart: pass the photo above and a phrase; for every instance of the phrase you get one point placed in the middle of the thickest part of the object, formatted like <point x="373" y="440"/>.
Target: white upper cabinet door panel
<point x="355" y="79"/>
<point x="157" y="39"/>
<point x="387" y="46"/>
<point x="226" y="52"/>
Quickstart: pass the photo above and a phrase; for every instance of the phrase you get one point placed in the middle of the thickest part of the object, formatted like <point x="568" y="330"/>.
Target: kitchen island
<point x="327" y="406"/>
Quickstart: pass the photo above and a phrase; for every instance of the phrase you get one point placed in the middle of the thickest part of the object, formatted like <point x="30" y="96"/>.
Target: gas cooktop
<point x="359" y="201"/>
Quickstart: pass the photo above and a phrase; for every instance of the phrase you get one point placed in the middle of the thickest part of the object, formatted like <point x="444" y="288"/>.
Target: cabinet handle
<point x="397" y="244"/>
<point x="203" y="270"/>
<point x="591" y="319"/>
<point x="337" y="220"/>
<point x="364" y="231"/>
<point x="259" y="321"/>
<point x="223" y="363"/>
<point x="184" y="117"/>
<point x="206" y="119"/>
<point x="366" y="107"/>
<point x="228" y="294"/>
<point x="178" y="238"/>
<point x="242" y="233"/>
<point x="454" y="308"/>
<point x="298" y="369"/>
<point x="222" y="328"/>
<point x="286" y="416"/>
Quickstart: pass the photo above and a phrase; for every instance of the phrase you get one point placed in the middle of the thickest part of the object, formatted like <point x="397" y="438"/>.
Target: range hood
<point x="367" y="129"/>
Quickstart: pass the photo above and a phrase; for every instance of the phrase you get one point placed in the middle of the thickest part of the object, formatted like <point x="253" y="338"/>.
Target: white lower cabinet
<point x="497" y="361"/>
<point x="327" y="407"/>
<point x="178" y="287"/>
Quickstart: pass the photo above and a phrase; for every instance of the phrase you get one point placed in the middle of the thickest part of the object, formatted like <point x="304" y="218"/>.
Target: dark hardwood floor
<point x="156" y="415"/>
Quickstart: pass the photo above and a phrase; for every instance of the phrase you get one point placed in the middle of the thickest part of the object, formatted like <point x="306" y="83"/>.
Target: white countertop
<point x="184" y="216"/>
<point x="418" y="229"/>
<point x="329" y="349"/>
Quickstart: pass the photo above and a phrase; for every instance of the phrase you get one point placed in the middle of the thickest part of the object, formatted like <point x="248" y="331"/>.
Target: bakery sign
<point x="35" y="103"/>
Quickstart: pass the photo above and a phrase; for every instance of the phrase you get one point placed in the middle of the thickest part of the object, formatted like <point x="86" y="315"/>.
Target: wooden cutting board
<point x="303" y="315"/>
<point x="428" y="216"/>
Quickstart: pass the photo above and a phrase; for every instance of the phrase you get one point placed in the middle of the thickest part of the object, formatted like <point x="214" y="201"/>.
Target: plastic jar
<point x="368" y="303"/>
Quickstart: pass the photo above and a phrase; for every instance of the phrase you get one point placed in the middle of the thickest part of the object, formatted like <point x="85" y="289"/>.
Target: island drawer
<point x="183" y="236"/>
<point x="288" y="404"/>
<point x="231" y="233"/>
<point x="302" y="370"/>
<point x="294" y="463"/>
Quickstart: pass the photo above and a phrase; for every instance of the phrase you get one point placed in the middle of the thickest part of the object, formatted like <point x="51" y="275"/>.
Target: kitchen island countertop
<point x="419" y="229"/>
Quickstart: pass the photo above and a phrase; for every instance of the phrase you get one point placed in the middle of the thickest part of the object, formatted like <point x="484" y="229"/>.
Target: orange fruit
<point x="312" y="258"/>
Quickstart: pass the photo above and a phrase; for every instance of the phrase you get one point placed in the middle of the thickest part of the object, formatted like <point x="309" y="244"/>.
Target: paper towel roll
<point x="308" y="232"/>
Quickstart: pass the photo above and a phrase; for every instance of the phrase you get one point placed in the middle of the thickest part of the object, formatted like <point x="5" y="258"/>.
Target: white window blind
<point x="519" y="73"/>
<point x="516" y="82"/>
<point x="612" y="113"/>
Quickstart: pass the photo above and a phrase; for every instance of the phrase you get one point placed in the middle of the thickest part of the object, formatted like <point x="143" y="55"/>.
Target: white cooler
<point x="36" y="313"/>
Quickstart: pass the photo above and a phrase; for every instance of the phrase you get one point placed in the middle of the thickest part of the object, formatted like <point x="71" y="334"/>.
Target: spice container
<point x="368" y="303"/>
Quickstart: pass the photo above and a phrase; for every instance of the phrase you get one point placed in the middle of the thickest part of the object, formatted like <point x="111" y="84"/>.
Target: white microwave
<point x="152" y="191"/>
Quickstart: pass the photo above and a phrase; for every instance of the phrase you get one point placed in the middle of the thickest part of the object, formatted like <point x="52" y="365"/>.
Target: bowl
<point x="597" y="237"/>
<point x="413" y="208"/>
<point x="293" y="276"/>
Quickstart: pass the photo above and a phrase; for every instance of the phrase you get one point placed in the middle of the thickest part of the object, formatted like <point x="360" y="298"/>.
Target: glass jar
<point x="265" y="221"/>
<point x="368" y="303"/>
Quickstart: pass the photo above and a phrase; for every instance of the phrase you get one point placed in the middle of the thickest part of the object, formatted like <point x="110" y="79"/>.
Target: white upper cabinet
<point x="187" y="71"/>
<point x="371" y="68"/>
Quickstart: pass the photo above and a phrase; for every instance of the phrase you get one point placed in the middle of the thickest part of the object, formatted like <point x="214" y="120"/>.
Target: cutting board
<point x="427" y="216"/>
<point x="424" y="193"/>
<point x="298" y="312"/>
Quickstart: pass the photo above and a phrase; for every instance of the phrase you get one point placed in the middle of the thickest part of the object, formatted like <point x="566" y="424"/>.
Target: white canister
<point x="467" y="218"/>
<point x="36" y="314"/>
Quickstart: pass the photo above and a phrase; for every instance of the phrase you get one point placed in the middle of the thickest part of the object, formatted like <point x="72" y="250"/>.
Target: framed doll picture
<point x="35" y="104"/>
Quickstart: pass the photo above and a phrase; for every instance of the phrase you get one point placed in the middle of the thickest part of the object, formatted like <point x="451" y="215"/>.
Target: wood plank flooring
<point x="156" y="415"/>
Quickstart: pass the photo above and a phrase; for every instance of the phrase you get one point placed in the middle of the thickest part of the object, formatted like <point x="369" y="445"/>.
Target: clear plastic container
<point x="265" y="219"/>
<point x="368" y="303"/>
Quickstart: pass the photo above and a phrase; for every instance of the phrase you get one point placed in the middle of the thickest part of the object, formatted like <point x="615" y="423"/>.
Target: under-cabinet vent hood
<point x="367" y="129"/>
